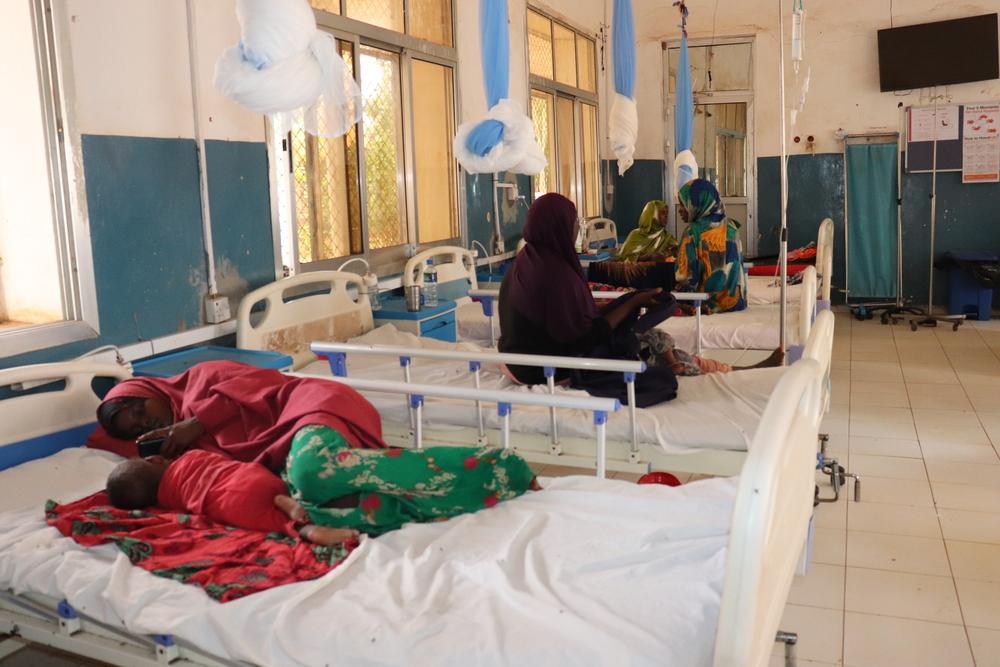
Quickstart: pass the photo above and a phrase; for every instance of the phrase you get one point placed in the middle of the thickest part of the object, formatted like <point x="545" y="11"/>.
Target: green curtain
<point x="871" y="220"/>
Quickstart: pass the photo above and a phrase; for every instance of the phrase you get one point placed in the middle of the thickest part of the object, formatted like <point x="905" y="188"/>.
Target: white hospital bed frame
<point x="772" y="510"/>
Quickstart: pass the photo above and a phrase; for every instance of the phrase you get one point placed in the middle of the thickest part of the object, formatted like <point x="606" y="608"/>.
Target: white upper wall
<point x="131" y="74"/>
<point x="840" y="51"/>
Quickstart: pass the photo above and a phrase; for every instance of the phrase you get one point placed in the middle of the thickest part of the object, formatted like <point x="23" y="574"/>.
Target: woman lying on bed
<point x="242" y="412"/>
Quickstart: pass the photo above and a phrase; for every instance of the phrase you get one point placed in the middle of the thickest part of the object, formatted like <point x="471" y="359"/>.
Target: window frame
<point x="578" y="96"/>
<point x="383" y="261"/>
<point x="744" y="96"/>
<point x="67" y="194"/>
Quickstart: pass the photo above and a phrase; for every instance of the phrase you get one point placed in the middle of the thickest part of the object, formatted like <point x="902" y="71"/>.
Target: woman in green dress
<point x="650" y="242"/>
<point x="375" y="491"/>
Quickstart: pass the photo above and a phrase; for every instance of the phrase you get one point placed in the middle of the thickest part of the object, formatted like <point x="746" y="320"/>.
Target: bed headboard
<point x="601" y="231"/>
<point x="317" y="305"/>
<point x="48" y="407"/>
<point x="774" y="502"/>
<point x="453" y="265"/>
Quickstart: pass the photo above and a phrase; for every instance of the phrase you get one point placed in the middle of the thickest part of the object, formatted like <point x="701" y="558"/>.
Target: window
<point x="382" y="186"/>
<point x="563" y="67"/>
<point x="47" y="296"/>
<point x="722" y="138"/>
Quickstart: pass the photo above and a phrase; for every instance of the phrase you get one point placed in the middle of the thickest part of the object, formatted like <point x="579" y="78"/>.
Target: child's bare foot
<point x="535" y="486"/>
<point x="327" y="536"/>
<point x="291" y="507"/>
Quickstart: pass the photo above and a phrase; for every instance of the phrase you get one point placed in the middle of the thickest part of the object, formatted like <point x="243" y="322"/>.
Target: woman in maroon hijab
<point x="243" y="412"/>
<point x="546" y="308"/>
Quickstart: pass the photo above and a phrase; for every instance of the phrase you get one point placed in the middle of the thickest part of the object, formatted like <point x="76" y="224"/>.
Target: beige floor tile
<point x="881" y="429"/>
<point x="779" y="661"/>
<point x="966" y="497"/>
<point x="866" y="370"/>
<point x="634" y="477"/>
<point x="941" y="417"/>
<point x="985" y="401"/>
<point x="566" y="471"/>
<point x="946" y="450"/>
<point x="885" y="353"/>
<point x="980" y="603"/>
<point x="835" y="424"/>
<point x="880" y="413"/>
<point x="899" y="553"/>
<point x="970" y="434"/>
<point x="896" y="491"/>
<point x="941" y="401"/>
<point x="891" y="400"/>
<point x="991" y="423"/>
<point x="970" y="526"/>
<point x="874" y="387"/>
<point x="823" y="586"/>
<point x="893" y="519"/>
<point x="918" y="596"/>
<point x="985" y="646"/>
<point x="953" y="472"/>
<point x="888" y="466"/>
<point x="829" y="546"/>
<point x="883" y="641"/>
<point x="975" y="560"/>
<point x="831" y="515"/>
<point x="820" y="632"/>
<point x="929" y="375"/>
<point x="861" y="444"/>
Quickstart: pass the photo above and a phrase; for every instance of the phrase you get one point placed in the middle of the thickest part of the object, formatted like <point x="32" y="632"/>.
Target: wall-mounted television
<point x="938" y="54"/>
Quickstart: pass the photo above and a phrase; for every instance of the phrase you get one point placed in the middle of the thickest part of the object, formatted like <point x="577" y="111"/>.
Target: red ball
<point x="657" y="477"/>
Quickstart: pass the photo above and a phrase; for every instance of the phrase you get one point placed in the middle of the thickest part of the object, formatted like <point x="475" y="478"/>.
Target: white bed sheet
<point x="587" y="572"/>
<point x="754" y="328"/>
<point x="691" y="421"/>
<point x="765" y="290"/>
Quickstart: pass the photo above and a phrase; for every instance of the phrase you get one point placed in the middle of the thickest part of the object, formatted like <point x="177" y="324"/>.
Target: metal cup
<point x="413" y="298"/>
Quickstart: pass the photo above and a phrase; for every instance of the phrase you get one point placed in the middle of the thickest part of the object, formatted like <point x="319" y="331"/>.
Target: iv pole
<point x="783" y="242"/>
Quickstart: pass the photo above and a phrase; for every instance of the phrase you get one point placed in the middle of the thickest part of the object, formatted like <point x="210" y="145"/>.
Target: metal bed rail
<point x="336" y="354"/>
<point x="487" y="298"/>
<point x="504" y="399"/>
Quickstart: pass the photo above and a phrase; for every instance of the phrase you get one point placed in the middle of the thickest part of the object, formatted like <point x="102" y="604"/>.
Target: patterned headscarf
<point x="703" y="204"/>
<point x="650" y="238"/>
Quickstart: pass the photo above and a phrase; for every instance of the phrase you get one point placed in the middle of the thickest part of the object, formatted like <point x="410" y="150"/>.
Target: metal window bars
<point x="504" y="399"/>
<point x="336" y="355"/>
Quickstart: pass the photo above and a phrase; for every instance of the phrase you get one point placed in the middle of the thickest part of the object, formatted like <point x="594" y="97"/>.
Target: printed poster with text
<point x="981" y="144"/>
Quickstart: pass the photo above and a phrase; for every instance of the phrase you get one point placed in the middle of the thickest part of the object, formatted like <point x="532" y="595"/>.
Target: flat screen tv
<point x="937" y="54"/>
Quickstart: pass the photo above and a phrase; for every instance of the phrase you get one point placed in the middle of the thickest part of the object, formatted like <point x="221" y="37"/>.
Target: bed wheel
<point x="913" y="325"/>
<point x="954" y="327"/>
<point x="816" y="495"/>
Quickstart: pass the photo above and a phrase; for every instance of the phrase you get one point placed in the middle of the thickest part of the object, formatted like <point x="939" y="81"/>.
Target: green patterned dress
<point x="397" y="486"/>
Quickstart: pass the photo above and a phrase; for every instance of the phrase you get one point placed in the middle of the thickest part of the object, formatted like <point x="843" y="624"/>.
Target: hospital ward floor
<point x="910" y="576"/>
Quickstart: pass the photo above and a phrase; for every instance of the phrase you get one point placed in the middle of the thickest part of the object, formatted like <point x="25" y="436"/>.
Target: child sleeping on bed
<point x="683" y="363"/>
<point x="330" y="492"/>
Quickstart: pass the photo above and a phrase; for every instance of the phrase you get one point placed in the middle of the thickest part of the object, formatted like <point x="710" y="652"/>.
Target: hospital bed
<point x="764" y="290"/>
<point x="587" y="572"/>
<point x="706" y="429"/>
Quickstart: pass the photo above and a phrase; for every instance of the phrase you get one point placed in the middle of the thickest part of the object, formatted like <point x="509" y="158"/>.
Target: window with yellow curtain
<point x="562" y="66"/>
<point x="434" y="168"/>
<point x="424" y="19"/>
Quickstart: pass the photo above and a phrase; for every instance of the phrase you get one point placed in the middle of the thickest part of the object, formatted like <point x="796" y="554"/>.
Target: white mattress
<point x="754" y="328"/>
<point x="587" y="572"/>
<point x="693" y="420"/>
<point x="765" y="290"/>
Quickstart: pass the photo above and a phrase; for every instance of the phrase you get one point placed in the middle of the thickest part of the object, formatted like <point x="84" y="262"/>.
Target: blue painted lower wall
<point x="479" y="210"/>
<point x="144" y="207"/>
<point x="641" y="183"/>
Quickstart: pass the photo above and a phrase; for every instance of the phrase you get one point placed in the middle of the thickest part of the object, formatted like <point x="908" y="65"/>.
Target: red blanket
<point x="227" y="562"/>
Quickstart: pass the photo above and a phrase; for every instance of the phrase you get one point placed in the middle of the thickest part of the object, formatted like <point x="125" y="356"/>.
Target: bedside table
<point x="437" y="322"/>
<point x="175" y="363"/>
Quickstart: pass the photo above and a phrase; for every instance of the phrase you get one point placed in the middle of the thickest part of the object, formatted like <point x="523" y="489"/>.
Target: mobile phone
<point x="150" y="447"/>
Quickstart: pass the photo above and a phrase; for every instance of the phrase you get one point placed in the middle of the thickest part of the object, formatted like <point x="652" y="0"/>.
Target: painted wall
<point x="127" y="86"/>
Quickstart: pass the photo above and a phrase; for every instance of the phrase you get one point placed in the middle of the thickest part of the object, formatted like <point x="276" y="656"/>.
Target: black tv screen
<point x="937" y="54"/>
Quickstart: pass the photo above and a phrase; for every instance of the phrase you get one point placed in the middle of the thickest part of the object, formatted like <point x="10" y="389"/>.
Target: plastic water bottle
<point x="371" y="288"/>
<point x="430" y="285"/>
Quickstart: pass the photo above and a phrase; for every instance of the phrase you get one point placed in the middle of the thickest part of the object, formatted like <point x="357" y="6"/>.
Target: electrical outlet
<point x="216" y="308"/>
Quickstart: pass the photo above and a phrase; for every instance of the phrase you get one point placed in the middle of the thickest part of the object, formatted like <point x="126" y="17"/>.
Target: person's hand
<point x="645" y="298"/>
<point x="178" y="437"/>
